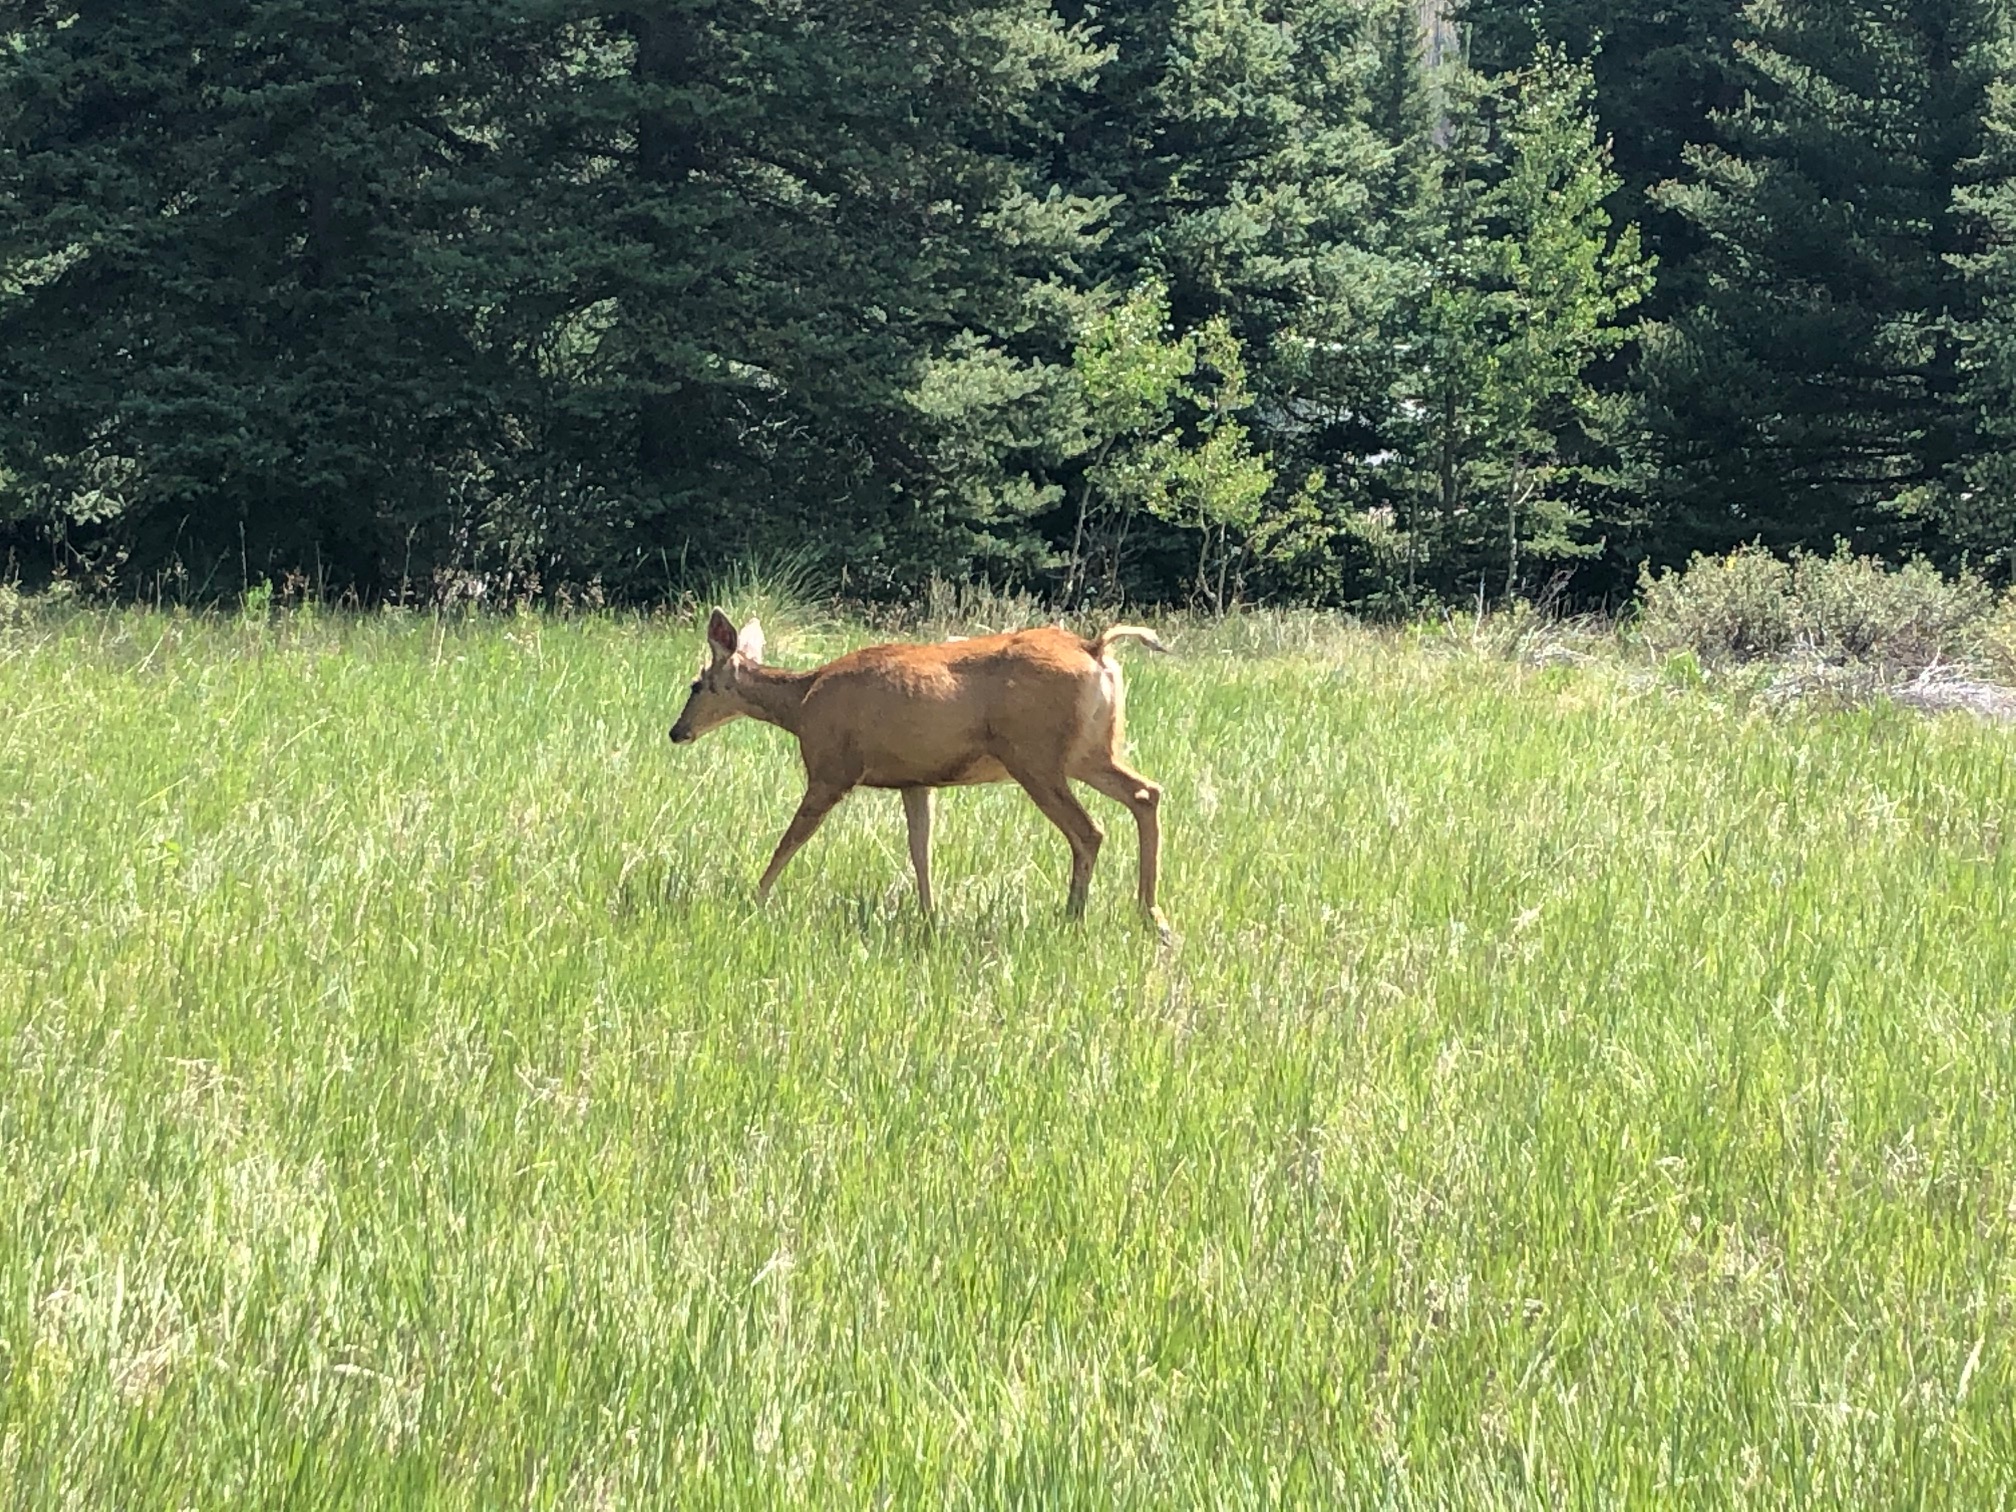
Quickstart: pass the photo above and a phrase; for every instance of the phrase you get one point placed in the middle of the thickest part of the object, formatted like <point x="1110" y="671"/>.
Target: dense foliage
<point x="1171" y="300"/>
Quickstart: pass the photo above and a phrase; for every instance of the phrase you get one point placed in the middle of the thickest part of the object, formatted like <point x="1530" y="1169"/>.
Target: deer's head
<point x="717" y="695"/>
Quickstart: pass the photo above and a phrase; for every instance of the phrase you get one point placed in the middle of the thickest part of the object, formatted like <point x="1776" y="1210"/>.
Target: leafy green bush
<point x="1998" y="640"/>
<point x="1861" y="609"/>
<point x="21" y="608"/>
<point x="1840" y="608"/>
<point x="1730" y="608"/>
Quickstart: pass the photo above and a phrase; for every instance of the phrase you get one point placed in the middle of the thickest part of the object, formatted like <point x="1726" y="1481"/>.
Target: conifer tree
<point x="1231" y="139"/>
<point x="805" y="279"/>
<point x="1524" y="287"/>
<point x="1660" y="73"/>
<point x="1977" y="511"/>
<point x="241" y="278"/>
<point x="584" y="289"/>
<point x="1814" y="389"/>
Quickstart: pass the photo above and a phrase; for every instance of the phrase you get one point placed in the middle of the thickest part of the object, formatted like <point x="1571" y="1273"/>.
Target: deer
<point x="1040" y="708"/>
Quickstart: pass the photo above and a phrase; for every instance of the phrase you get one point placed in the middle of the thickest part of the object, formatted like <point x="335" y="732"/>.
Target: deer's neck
<point x="776" y="696"/>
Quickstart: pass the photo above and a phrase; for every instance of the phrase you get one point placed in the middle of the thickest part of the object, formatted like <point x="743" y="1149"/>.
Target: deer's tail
<point x="1147" y="638"/>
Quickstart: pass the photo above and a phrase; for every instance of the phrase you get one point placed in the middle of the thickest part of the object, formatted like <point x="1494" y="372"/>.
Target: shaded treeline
<point x="1172" y="301"/>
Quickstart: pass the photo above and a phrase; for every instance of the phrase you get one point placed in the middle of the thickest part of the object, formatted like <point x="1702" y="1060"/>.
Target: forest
<point x="1358" y="303"/>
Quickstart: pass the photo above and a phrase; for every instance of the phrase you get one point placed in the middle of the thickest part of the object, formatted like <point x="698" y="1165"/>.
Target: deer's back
<point x="957" y="712"/>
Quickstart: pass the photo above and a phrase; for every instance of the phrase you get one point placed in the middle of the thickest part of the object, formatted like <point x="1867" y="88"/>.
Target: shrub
<point x="1859" y="609"/>
<point x="1840" y="608"/>
<point x="1731" y="608"/>
<point x="1998" y="640"/>
<point x="19" y="608"/>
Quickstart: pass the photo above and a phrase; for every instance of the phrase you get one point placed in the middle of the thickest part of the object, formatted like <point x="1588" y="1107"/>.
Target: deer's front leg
<point x="812" y="811"/>
<point x="917" y="813"/>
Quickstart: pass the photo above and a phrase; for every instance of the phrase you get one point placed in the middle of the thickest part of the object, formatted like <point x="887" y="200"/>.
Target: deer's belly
<point x="980" y="769"/>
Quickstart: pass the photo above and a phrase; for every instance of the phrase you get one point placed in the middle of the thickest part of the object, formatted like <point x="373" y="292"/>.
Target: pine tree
<point x="808" y="291"/>
<point x="1231" y="139"/>
<point x="1660" y="72"/>
<point x="1524" y="287"/>
<point x="1977" y="512"/>
<point x="1813" y="391"/>
<point x="242" y="277"/>
<point x="578" y="289"/>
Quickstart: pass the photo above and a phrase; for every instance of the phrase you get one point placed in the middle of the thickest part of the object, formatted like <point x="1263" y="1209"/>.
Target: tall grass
<point x="1565" y="1090"/>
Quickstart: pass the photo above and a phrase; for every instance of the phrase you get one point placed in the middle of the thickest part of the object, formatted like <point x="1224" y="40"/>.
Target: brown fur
<point x="1037" y="707"/>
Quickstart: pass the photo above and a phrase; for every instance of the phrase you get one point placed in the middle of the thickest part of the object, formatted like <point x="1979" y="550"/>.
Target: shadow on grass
<point x="977" y="919"/>
<point x="661" y="890"/>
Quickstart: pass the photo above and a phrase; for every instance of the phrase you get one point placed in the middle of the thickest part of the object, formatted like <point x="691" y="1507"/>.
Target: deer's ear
<point x="721" y="634"/>
<point x="750" y="641"/>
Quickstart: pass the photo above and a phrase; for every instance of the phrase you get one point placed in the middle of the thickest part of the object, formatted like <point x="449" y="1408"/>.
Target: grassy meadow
<point x="1569" y="1086"/>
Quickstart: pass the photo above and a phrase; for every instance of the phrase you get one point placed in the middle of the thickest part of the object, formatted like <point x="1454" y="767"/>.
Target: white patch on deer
<point x="1098" y="702"/>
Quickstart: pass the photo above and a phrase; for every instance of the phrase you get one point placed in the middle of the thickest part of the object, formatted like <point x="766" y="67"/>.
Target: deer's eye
<point x="695" y="686"/>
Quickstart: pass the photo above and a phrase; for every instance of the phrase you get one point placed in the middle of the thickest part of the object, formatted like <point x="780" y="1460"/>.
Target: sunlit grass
<point x="1566" y="1089"/>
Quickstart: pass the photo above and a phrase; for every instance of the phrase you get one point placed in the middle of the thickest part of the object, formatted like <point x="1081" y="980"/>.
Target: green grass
<point x="1566" y="1089"/>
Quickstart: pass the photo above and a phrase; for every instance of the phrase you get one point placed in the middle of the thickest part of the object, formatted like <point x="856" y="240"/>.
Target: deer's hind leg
<point x="1061" y="807"/>
<point x="1144" y="801"/>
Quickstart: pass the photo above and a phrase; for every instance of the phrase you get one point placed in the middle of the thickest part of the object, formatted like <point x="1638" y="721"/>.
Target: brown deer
<point x="1038" y="707"/>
